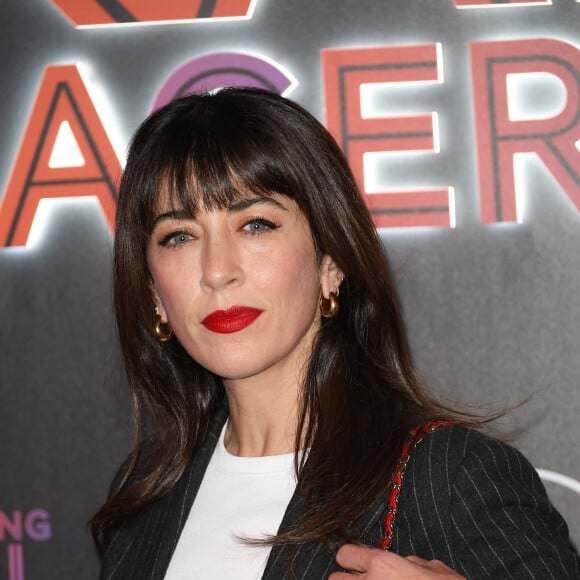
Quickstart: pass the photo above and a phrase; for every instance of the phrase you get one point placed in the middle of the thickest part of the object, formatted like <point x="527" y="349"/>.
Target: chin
<point x="234" y="369"/>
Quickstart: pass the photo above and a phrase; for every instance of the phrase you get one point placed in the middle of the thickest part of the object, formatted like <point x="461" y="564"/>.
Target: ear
<point x="331" y="276"/>
<point x="159" y="308"/>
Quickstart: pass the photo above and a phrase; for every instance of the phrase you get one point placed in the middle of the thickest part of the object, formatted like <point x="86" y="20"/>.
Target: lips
<point x="231" y="320"/>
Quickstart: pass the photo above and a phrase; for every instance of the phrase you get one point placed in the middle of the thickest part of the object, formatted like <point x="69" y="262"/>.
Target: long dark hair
<point x="361" y="391"/>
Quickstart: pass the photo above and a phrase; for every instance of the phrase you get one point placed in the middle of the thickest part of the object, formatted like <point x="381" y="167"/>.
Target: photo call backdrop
<point x="461" y="120"/>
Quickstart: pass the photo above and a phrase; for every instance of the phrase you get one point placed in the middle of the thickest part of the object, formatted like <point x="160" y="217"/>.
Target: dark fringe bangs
<point x="211" y="170"/>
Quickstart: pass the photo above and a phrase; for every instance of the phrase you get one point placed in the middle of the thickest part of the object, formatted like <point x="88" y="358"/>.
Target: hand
<point x="372" y="563"/>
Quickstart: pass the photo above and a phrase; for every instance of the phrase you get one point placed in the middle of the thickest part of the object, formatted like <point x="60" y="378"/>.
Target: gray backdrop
<point x="492" y="310"/>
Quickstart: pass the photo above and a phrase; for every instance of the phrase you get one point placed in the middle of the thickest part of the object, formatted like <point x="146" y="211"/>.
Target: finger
<point x="353" y="557"/>
<point x="363" y="560"/>
<point x="429" y="564"/>
<point x="417" y="560"/>
<point x="433" y="565"/>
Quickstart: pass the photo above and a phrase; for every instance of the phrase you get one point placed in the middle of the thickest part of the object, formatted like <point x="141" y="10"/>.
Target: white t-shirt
<point x="239" y="497"/>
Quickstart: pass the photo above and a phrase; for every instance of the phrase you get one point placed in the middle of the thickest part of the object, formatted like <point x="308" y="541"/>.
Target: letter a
<point x="62" y="102"/>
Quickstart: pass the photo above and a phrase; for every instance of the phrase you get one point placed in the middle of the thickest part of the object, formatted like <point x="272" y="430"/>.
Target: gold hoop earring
<point x="329" y="306"/>
<point x="162" y="330"/>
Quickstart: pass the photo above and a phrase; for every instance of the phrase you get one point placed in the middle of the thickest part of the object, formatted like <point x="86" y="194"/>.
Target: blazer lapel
<point x="310" y="560"/>
<point x="143" y="548"/>
<point x="314" y="560"/>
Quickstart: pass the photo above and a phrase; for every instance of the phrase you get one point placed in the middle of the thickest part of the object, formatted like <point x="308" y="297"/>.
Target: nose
<point x="220" y="264"/>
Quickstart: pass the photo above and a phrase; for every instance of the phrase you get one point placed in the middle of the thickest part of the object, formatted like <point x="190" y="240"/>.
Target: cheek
<point x="171" y="289"/>
<point x="294" y="275"/>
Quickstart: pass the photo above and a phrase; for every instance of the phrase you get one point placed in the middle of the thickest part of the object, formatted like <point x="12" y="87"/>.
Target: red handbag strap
<point x="415" y="436"/>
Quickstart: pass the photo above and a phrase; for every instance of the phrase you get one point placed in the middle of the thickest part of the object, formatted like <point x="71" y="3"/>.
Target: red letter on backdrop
<point x="345" y="70"/>
<point x="105" y="12"/>
<point x="496" y="3"/>
<point x="62" y="97"/>
<point x="499" y="138"/>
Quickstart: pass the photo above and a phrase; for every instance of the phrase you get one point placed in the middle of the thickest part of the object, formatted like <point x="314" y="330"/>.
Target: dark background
<point x="492" y="310"/>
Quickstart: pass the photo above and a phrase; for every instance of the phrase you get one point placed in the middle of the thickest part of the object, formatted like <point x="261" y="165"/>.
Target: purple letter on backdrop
<point x="221" y="69"/>
<point x="37" y="525"/>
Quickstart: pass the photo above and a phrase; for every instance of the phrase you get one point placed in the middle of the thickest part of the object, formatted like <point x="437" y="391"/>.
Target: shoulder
<point x="451" y="451"/>
<point x="457" y="466"/>
<point x="466" y="467"/>
<point x="479" y="505"/>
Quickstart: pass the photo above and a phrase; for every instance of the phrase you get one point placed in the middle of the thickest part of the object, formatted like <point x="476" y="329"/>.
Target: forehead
<point x="211" y="188"/>
<point x="167" y="203"/>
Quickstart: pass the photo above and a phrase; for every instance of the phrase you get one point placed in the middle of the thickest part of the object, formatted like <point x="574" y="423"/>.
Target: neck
<point x="262" y="419"/>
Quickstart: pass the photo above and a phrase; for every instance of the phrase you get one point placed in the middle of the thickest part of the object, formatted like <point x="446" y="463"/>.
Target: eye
<point x="257" y="226"/>
<point x="175" y="239"/>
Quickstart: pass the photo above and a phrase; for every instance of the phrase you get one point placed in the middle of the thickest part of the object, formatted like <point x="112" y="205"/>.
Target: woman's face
<point x="240" y="287"/>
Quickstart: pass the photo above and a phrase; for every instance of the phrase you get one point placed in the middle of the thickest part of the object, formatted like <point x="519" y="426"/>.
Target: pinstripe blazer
<point x="470" y="501"/>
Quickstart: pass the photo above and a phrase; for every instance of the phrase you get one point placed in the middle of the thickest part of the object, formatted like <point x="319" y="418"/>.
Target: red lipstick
<point x="231" y="320"/>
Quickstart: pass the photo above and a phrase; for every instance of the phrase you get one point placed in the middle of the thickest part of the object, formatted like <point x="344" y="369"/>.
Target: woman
<point x="277" y="409"/>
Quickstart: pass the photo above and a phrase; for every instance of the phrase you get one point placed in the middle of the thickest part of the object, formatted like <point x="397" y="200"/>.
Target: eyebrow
<point x="249" y="202"/>
<point x="178" y="214"/>
<point x="241" y="205"/>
